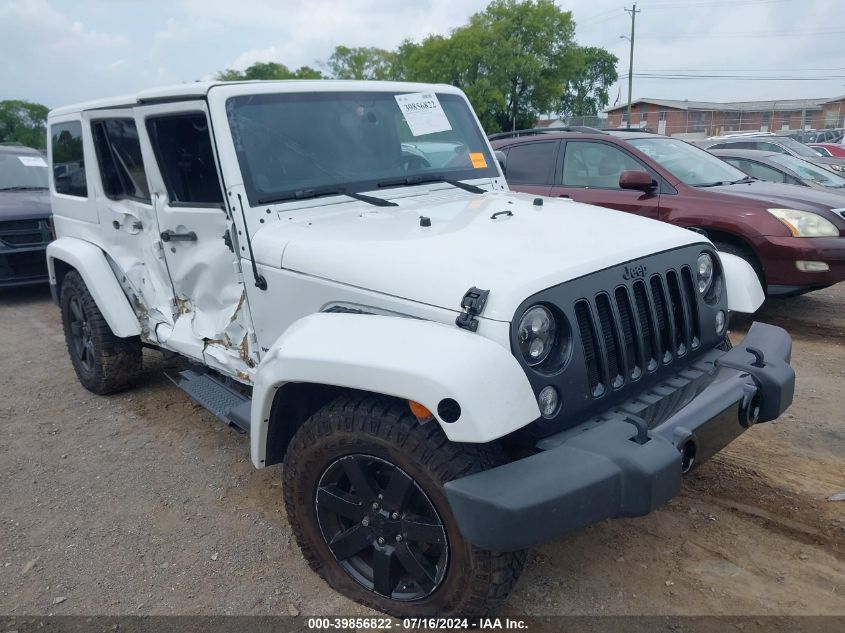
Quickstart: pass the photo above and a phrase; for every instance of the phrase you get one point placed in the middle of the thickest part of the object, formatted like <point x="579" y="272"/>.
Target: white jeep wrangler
<point x="449" y="371"/>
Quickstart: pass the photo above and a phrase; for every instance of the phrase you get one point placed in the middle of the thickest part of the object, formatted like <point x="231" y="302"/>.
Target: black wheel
<point x="747" y="255"/>
<point x="363" y="489"/>
<point x="103" y="362"/>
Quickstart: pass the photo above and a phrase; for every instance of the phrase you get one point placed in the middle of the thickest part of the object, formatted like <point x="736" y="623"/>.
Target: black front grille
<point x="631" y="332"/>
<point x="24" y="232"/>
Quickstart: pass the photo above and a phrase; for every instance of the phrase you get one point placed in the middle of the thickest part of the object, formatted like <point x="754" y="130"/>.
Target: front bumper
<point x="779" y="255"/>
<point x="615" y="465"/>
<point x="23" y="266"/>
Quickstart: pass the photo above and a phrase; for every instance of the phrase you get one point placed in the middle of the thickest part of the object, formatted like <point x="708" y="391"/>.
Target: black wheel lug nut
<point x="394" y="516"/>
<point x="375" y="505"/>
<point x="381" y="540"/>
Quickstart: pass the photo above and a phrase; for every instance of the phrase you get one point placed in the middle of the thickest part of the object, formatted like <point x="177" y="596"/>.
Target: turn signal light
<point x="421" y="412"/>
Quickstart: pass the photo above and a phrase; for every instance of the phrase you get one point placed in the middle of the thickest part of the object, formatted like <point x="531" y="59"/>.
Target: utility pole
<point x="633" y="11"/>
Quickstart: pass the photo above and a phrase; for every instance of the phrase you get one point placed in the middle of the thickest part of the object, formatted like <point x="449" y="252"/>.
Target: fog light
<point x="812" y="267"/>
<point x="721" y="322"/>
<point x="548" y="401"/>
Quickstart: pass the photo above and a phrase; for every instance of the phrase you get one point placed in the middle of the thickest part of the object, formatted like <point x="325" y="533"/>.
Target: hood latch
<point x="473" y="304"/>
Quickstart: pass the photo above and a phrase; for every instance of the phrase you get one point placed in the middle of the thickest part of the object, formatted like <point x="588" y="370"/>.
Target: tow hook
<point x="689" y="450"/>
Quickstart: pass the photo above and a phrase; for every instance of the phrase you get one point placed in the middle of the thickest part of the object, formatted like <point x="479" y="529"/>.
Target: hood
<point x="780" y="195"/>
<point x="24" y="205"/>
<point x="524" y="249"/>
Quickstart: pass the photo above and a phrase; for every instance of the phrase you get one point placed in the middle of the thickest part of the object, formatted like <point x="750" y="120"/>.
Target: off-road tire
<point x="746" y="254"/>
<point x="111" y="363"/>
<point x="476" y="580"/>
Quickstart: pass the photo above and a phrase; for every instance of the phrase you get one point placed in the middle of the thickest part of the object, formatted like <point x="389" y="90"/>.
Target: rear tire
<point x="406" y="556"/>
<point x="104" y="363"/>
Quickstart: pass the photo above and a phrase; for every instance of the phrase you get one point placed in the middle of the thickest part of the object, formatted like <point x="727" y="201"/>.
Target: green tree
<point x="269" y="70"/>
<point x="586" y="92"/>
<point x="365" y="62"/>
<point x="513" y="60"/>
<point x="23" y="122"/>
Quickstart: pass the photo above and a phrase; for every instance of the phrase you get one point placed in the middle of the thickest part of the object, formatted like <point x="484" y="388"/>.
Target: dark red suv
<point x="792" y="236"/>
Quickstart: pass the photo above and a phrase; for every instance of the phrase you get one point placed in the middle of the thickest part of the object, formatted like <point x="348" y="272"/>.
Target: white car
<point x="450" y="372"/>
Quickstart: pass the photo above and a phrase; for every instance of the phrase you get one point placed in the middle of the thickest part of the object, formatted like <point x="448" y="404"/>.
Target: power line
<point x="744" y="34"/>
<point x="738" y="70"/>
<point x="736" y="77"/>
<point x="710" y="3"/>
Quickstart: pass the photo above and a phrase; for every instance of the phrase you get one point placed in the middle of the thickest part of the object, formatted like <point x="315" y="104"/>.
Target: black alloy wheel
<point x="381" y="527"/>
<point x="80" y="332"/>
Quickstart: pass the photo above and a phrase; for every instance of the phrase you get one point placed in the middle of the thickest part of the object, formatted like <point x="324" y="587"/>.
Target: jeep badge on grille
<point x="633" y="272"/>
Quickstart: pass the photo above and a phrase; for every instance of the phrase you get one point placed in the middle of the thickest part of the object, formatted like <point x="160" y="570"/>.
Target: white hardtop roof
<point x="199" y="90"/>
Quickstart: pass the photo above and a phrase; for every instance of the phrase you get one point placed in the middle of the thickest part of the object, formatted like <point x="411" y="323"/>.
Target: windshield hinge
<point x="473" y="304"/>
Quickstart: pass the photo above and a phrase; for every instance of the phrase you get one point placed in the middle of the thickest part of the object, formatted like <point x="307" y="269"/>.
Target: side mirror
<point x="502" y="158"/>
<point x="638" y="180"/>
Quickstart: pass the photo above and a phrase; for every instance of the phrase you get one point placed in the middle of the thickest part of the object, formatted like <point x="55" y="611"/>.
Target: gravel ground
<point x="143" y="503"/>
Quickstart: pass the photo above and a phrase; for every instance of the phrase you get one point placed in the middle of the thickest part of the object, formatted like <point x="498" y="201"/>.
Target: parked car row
<point x="775" y="143"/>
<point x="791" y="235"/>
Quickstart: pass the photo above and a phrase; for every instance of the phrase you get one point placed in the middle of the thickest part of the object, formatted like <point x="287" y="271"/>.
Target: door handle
<point x="171" y="236"/>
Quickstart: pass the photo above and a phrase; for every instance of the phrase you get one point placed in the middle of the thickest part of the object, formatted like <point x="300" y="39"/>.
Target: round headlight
<point x="705" y="272"/>
<point x="536" y="334"/>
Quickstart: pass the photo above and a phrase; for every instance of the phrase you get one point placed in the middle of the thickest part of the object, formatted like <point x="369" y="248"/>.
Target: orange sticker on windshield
<point x="478" y="160"/>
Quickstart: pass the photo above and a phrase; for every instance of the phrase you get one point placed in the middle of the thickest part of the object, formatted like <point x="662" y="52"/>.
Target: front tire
<point x="363" y="489"/>
<point x="104" y="363"/>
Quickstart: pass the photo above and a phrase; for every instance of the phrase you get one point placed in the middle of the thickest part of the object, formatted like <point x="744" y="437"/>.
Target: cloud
<point x="61" y="51"/>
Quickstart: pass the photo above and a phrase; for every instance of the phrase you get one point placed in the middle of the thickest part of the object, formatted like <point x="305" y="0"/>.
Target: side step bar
<point x="228" y="405"/>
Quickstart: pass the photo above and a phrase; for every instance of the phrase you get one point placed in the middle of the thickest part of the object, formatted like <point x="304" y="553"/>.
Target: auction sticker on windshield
<point x="32" y="161"/>
<point x="478" y="160"/>
<point x="423" y="113"/>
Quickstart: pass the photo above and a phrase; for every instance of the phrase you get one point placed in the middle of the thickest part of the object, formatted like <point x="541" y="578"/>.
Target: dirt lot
<point x="143" y="503"/>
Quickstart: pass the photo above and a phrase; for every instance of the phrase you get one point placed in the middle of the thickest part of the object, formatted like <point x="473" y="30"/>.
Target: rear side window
<point x="531" y="163"/>
<point x="68" y="159"/>
<point x="182" y="147"/>
<point x="119" y="158"/>
<point x="735" y="145"/>
<point x="770" y="147"/>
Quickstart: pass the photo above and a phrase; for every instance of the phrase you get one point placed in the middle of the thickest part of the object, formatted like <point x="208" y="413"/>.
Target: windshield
<point x="688" y="163"/>
<point x="22" y="171"/>
<point x="293" y="144"/>
<point x="799" y="148"/>
<point x="809" y="171"/>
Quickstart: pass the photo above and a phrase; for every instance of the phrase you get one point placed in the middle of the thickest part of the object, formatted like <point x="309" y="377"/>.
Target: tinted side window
<point x="599" y="165"/>
<point x="182" y="147"/>
<point x="761" y="171"/>
<point x="119" y="158"/>
<point x="68" y="159"/>
<point x="531" y="163"/>
<point x="736" y="145"/>
<point x="770" y="147"/>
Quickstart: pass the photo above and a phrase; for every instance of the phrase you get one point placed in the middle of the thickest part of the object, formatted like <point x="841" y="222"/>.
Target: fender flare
<point x="91" y="263"/>
<point x="742" y="284"/>
<point x="402" y="357"/>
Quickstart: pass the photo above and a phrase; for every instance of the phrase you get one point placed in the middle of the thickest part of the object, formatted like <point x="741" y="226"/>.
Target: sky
<point x="58" y="52"/>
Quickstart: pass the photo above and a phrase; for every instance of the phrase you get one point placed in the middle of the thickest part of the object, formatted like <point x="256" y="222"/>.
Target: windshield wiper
<point x="421" y="180"/>
<point x="307" y="194"/>
<point x="742" y="181"/>
<point x="22" y="188"/>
